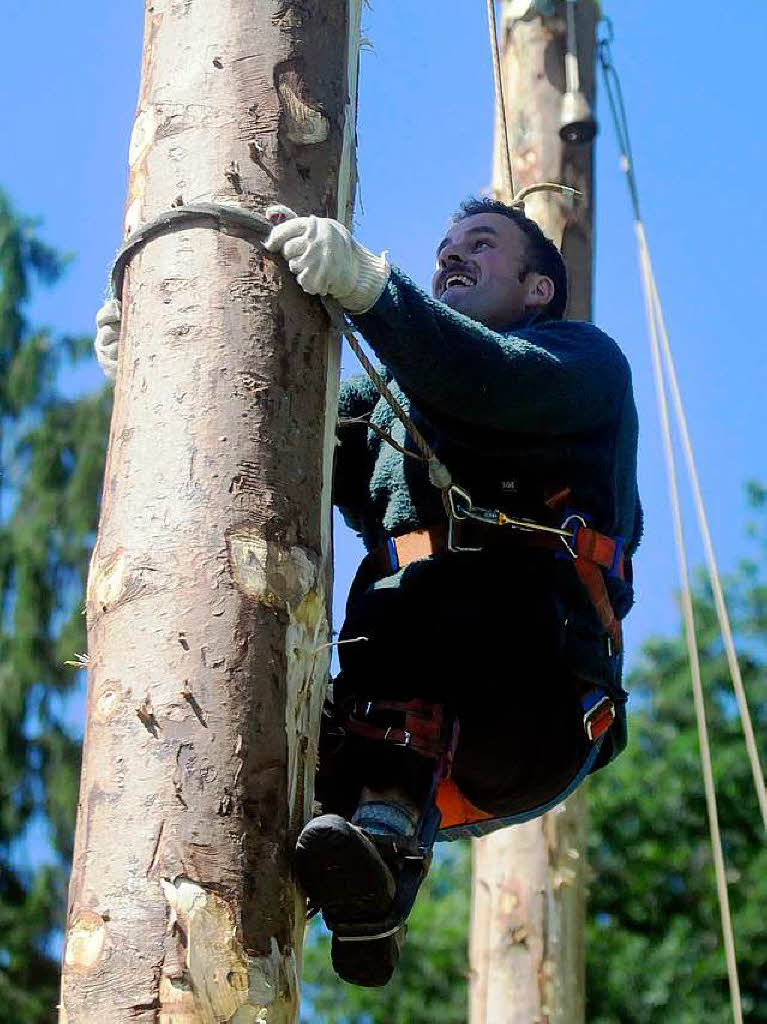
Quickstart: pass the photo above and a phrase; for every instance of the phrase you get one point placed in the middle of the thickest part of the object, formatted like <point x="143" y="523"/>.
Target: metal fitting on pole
<point x="577" y="124"/>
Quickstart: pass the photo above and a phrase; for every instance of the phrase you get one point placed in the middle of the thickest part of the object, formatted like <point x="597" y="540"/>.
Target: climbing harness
<point x="587" y="547"/>
<point x="422" y="728"/>
<point x="659" y="343"/>
<point x="591" y="552"/>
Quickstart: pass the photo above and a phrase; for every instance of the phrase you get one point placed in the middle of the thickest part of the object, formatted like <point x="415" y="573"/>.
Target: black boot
<point x="346" y="877"/>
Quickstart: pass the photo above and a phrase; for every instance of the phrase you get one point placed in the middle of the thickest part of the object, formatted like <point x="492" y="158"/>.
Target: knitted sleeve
<point x="553" y="377"/>
<point x="353" y="462"/>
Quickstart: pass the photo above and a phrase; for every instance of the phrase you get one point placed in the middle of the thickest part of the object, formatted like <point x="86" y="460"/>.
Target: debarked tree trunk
<point x="207" y="611"/>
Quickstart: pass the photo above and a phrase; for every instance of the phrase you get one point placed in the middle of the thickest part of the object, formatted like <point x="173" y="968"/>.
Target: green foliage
<point x="430" y="983"/>
<point x="654" y="942"/>
<point x="51" y="462"/>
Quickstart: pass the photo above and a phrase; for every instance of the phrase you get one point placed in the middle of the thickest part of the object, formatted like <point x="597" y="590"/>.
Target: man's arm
<point x="353" y="462"/>
<point x="555" y="377"/>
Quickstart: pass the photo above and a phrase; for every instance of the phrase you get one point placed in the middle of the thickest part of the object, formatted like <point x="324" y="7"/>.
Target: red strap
<point x="422" y="729"/>
<point x="598" y="547"/>
<point x="591" y="577"/>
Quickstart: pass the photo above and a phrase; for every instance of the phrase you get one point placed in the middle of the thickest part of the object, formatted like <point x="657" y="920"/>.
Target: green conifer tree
<point x="51" y="464"/>
<point x="654" y="943"/>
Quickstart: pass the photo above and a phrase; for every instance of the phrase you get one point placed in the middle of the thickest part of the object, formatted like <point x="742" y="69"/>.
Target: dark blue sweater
<point x="546" y="403"/>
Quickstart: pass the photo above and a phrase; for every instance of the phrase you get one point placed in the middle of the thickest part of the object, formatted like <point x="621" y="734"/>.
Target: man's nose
<point x="450" y="254"/>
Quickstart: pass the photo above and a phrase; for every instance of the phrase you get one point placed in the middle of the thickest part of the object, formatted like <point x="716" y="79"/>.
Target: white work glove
<point x="327" y="260"/>
<point x="108" y="336"/>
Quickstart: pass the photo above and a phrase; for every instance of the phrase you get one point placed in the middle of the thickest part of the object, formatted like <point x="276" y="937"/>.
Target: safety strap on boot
<point x="428" y="731"/>
<point x="409" y="859"/>
<point x="420" y="725"/>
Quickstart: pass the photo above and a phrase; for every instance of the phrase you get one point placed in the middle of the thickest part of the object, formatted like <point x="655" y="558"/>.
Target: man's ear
<point x="539" y="290"/>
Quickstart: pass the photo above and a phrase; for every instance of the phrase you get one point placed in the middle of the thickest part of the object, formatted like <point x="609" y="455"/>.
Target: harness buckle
<point x="599" y="714"/>
<point x="452" y="544"/>
<point x="455" y="492"/>
<point x="404" y="742"/>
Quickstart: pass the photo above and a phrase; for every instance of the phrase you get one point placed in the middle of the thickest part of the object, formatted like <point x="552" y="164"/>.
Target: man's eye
<point x="480" y="242"/>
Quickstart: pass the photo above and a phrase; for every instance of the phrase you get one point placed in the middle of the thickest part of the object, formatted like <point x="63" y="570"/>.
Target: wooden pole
<point x="207" y="595"/>
<point x="527" y="951"/>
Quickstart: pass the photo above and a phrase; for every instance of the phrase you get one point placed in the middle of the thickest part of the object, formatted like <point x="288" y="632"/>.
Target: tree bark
<point x="527" y="952"/>
<point x="207" y="595"/>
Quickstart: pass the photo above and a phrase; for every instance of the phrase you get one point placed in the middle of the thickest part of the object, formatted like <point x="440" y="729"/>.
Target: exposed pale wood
<point x="533" y="54"/>
<point x="527" y="921"/>
<point x="207" y="611"/>
<point x="527" y="953"/>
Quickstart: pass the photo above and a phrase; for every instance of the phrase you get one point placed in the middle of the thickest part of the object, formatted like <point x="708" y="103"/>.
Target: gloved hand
<point x="108" y="336"/>
<point x="327" y="260"/>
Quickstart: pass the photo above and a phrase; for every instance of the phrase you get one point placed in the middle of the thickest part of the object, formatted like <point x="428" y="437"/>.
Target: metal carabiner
<point x="573" y="538"/>
<point x="460" y="507"/>
<point x="453" y="491"/>
<point x="451" y="544"/>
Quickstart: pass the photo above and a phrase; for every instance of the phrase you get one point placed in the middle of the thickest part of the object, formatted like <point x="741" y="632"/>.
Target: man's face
<point x="479" y="263"/>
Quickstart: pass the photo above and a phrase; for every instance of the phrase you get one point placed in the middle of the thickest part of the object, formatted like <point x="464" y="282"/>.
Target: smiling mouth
<point x="457" y="280"/>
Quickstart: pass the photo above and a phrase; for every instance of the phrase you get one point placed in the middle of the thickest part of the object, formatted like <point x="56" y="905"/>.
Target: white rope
<point x="338" y="320"/>
<point x="653" y="317"/>
<point x="658" y="331"/>
<point x="713" y="570"/>
<point x="500" y="102"/>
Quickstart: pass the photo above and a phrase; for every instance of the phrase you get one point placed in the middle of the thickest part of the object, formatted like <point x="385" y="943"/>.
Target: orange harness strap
<point x="594" y="551"/>
<point x="455" y="808"/>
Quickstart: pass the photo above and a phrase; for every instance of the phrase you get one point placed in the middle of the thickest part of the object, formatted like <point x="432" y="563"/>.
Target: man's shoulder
<point x="581" y="333"/>
<point x="577" y="328"/>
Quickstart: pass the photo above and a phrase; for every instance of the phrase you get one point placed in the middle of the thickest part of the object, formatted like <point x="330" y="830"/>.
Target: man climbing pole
<point x="481" y="651"/>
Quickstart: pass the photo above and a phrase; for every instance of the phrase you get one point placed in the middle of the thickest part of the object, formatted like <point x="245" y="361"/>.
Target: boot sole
<point x="343" y="874"/>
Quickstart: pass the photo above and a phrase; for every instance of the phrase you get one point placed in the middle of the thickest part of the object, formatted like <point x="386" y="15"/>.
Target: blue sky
<point x="693" y="81"/>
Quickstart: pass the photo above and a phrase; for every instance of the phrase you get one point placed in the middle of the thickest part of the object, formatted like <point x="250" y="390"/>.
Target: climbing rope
<point x="713" y="570"/>
<point x="612" y="87"/>
<point x="659" y="341"/>
<point x="500" y="101"/>
<point x="690" y="637"/>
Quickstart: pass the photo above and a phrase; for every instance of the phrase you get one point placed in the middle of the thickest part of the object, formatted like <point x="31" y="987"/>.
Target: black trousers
<point x="482" y="633"/>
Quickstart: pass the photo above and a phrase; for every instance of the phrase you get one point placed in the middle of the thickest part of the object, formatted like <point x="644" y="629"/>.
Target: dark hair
<point x="543" y="257"/>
